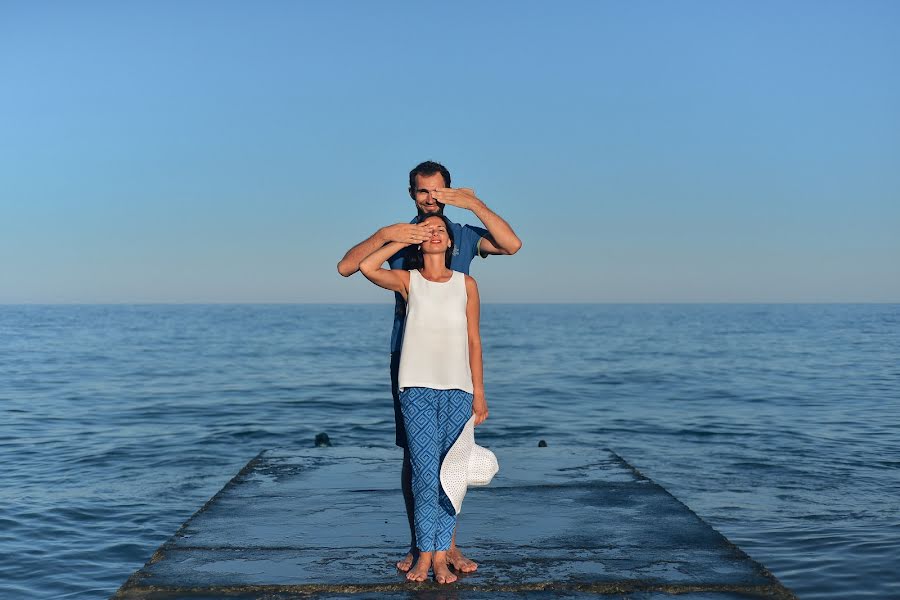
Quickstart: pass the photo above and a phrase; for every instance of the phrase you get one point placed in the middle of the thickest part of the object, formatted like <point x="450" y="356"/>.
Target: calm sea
<point x="778" y="424"/>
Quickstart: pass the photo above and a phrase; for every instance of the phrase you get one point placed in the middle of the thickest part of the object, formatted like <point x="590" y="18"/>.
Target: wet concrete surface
<point x="554" y="523"/>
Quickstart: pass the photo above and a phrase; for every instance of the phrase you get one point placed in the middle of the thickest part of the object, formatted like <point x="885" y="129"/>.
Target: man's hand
<point x="459" y="197"/>
<point x="479" y="408"/>
<point x="406" y="233"/>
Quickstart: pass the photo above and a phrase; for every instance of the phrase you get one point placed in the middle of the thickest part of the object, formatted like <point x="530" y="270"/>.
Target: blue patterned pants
<point x="433" y="419"/>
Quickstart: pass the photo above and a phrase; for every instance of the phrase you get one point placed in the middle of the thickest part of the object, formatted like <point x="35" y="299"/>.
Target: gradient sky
<point x="683" y="151"/>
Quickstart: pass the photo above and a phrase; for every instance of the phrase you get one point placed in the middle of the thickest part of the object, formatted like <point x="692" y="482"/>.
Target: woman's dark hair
<point x="414" y="257"/>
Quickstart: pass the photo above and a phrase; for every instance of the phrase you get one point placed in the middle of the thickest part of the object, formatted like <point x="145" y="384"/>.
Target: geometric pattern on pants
<point x="433" y="420"/>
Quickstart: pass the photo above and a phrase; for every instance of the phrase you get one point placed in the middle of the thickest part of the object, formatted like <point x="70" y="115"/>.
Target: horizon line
<point x="523" y="303"/>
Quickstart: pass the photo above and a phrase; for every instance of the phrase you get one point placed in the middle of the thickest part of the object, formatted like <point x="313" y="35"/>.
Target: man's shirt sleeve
<point x="472" y="237"/>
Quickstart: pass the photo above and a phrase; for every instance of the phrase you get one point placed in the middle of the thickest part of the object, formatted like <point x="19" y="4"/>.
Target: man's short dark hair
<point x="429" y="167"/>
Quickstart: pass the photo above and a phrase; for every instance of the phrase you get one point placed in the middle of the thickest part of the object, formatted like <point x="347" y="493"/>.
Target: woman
<point x="440" y="377"/>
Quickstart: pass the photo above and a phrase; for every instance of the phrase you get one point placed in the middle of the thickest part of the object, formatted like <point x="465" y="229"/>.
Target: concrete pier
<point x="555" y="523"/>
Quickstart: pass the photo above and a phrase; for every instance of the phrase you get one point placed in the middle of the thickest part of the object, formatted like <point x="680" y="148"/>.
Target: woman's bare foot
<point x="419" y="572"/>
<point x="405" y="564"/>
<point x="441" y="573"/>
<point x="460" y="562"/>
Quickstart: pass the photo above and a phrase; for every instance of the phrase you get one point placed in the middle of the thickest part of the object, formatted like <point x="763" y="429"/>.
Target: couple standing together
<point x="436" y="366"/>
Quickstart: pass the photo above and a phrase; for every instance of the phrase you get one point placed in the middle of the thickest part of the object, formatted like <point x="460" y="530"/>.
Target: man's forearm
<point x="350" y="263"/>
<point x="503" y="235"/>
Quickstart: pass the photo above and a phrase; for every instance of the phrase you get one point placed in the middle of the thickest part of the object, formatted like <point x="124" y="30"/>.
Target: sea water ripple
<point x="778" y="424"/>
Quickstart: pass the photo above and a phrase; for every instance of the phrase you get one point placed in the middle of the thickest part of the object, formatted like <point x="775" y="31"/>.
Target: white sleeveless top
<point x="435" y="351"/>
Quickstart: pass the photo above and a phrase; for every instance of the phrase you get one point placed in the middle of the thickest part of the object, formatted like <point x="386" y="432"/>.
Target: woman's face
<point x="439" y="240"/>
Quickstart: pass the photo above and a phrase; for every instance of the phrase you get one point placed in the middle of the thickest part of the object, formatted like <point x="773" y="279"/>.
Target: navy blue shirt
<point x="465" y="247"/>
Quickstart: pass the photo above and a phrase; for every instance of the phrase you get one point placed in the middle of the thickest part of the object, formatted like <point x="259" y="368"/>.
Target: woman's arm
<point x="473" y="314"/>
<point x="396" y="280"/>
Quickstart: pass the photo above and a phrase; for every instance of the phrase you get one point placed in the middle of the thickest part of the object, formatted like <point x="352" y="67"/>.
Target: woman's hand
<point x="479" y="408"/>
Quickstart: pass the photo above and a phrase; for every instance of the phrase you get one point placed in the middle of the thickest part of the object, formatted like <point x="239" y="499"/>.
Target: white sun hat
<point x="465" y="464"/>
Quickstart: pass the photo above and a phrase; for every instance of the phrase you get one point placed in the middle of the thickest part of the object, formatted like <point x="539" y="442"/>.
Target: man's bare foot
<point x="441" y="573"/>
<point x="460" y="562"/>
<point x="405" y="564"/>
<point x="419" y="572"/>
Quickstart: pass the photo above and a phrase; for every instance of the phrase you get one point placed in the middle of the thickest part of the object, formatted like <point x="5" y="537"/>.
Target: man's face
<point x="425" y="202"/>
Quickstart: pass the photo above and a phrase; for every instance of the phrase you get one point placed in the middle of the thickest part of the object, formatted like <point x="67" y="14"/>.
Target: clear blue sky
<point x="710" y="151"/>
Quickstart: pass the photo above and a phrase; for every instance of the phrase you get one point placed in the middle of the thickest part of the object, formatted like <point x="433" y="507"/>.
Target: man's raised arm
<point x="404" y="233"/>
<point x="503" y="239"/>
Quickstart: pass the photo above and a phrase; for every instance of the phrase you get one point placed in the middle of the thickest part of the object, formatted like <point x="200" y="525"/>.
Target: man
<point x="429" y="188"/>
